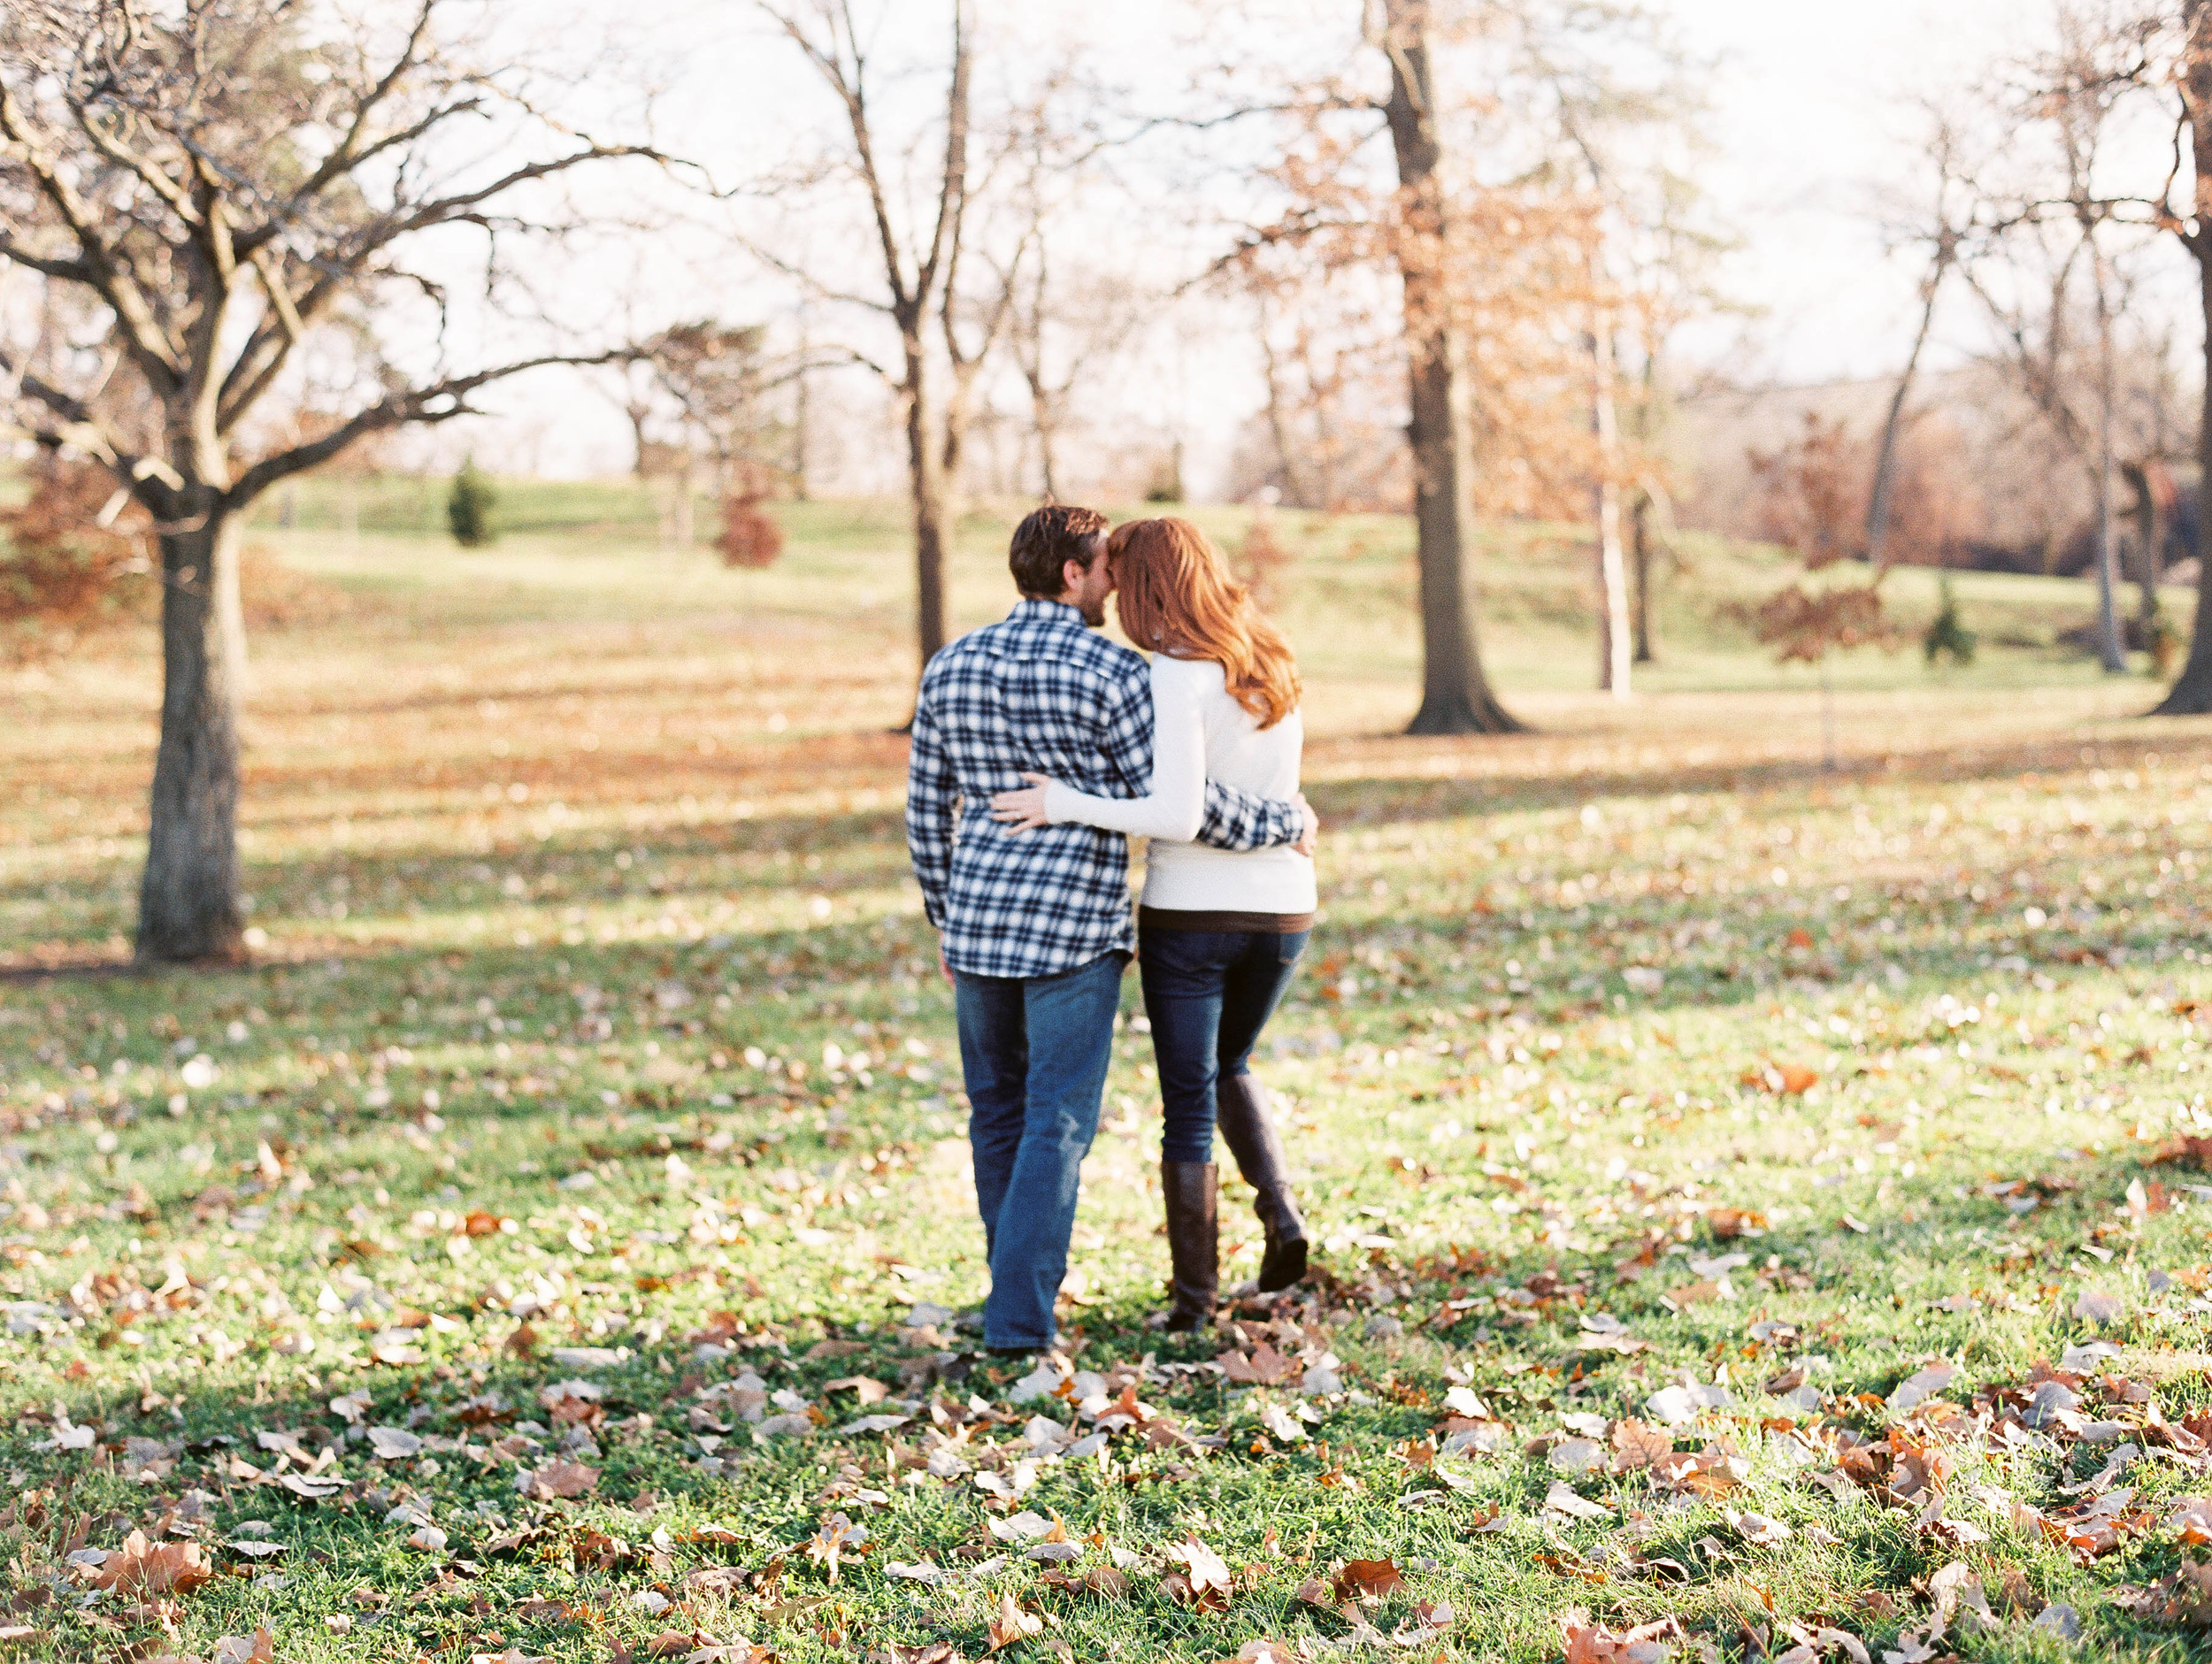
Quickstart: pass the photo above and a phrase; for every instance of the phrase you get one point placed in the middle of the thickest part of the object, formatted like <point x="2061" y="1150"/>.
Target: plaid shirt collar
<point x="1033" y="614"/>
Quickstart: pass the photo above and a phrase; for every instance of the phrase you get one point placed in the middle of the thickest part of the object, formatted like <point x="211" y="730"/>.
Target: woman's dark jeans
<point x="1208" y="993"/>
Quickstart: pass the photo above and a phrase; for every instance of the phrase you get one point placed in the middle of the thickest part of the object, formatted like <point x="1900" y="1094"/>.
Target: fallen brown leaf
<point x="1637" y="1444"/>
<point x="564" y="1479"/>
<point x="258" y="1648"/>
<point x="156" y="1569"/>
<point x="1368" y="1580"/>
<point x="1012" y="1624"/>
<point x="1204" y="1583"/>
<point x="1266" y="1367"/>
<point x="1590" y="1643"/>
<point x="928" y="1652"/>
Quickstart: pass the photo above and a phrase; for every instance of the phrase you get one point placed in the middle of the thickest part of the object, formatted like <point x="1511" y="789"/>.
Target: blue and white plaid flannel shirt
<point x="1042" y="693"/>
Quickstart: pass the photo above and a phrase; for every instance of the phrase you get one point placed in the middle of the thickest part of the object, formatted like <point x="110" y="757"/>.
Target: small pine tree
<point x="1948" y="636"/>
<point x="468" y="509"/>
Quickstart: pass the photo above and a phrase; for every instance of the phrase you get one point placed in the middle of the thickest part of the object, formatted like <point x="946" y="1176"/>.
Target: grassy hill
<point x="1346" y="595"/>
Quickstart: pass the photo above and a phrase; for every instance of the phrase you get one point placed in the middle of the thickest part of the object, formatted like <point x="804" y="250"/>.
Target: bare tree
<point x="718" y="378"/>
<point x="1620" y="105"/>
<point x="919" y="264"/>
<point x="970" y="329"/>
<point x="1063" y="332"/>
<point x="1616" y="645"/>
<point x="2038" y="248"/>
<point x="1060" y="327"/>
<point x="2191" y="694"/>
<point x="1332" y="363"/>
<point x="1484" y="245"/>
<point x="224" y="182"/>
<point x="1950" y="226"/>
<point x="1455" y="693"/>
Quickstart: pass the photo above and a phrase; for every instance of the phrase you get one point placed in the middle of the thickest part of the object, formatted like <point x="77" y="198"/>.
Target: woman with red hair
<point x="1218" y="931"/>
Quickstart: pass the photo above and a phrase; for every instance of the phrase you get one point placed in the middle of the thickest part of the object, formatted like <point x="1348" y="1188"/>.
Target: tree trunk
<point x="2191" y="695"/>
<point x="1639" y="551"/>
<point x="2149" y="514"/>
<point x="799" y="415"/>
<point x="1455" y="694"/>
<point x="1279" y="425"/>
<point x="685" y="530"/>
<point x="1048" y="448"/>
<point x="2111" y="650"/>
<point x="958" y="419"/>
<point x="1614" y="647"/>
<point x="926" y="482"/>
<point x="189" y="908"/>
<point x="1328" y="448"/>
<point x="1893" y="422"/>
<point x="2192" y="691"/>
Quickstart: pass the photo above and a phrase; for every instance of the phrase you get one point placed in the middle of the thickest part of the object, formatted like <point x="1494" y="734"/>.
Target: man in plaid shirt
<point x="1036" y="929"/>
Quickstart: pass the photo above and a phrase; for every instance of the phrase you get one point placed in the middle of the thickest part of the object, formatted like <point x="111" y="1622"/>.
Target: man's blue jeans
<point x="1034" y="1051"/>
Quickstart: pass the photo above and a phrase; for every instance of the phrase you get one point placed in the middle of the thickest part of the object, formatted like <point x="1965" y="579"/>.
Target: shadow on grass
<point x="1383" y="799"/>
<point x="571" y="872"/>
<point x="835" y="963"/>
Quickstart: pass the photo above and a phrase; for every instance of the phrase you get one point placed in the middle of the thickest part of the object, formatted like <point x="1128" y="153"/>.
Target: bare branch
<point x="46" y="266"/>
<point x="111" y="276"/>
<point x="264" y="355"/>
<point x="80" y="427"/>
<point x="440" y="402"/>
<point x="356" y="148"/>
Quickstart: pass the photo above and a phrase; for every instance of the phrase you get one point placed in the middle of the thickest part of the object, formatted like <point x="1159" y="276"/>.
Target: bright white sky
<point x="1816" y="123"/>
<point x="1814" y="119"/>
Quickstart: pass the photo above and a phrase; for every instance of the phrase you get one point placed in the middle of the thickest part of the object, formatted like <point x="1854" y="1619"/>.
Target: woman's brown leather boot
<point x="1242" y="1113"/>
<point x="1194" y="1242"/>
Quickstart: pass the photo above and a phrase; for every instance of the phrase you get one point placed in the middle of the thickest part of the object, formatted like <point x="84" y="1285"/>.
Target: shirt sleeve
<point x="1124" y="737"/>
<point x="1241" y="820"/>
<point x="1174" y="806"/>
<point x="932" y="806"/>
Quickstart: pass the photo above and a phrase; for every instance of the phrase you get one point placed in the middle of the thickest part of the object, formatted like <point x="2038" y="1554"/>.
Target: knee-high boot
<point x="1242" y="1113"/>
<point x="1193" y="1242"/>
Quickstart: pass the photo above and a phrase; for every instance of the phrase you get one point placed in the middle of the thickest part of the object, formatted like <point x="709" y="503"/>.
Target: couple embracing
<point x="1039" y="748"/>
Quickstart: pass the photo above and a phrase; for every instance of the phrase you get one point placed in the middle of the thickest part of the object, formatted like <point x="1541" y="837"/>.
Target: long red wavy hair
<point x="1177" y="596"/>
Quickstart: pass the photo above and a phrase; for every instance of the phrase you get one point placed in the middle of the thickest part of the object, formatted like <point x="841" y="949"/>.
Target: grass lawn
<point x="1760" y="1208"/>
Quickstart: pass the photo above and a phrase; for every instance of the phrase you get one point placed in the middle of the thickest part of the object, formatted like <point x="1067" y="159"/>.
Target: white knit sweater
<point x="1201" y="733"/>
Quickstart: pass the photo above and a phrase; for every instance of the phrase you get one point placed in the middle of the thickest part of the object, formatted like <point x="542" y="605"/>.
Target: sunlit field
<point x="1760" y="1205"/>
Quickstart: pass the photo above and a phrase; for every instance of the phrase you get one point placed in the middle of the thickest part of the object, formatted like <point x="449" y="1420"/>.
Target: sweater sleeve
<point x="1176" y="804"/>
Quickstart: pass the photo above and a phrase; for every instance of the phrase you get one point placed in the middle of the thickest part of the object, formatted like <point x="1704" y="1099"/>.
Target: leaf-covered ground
<point x="1762" y="1211"/>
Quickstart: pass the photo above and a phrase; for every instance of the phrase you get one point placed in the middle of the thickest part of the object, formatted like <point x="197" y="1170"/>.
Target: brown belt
<point x="1176" y="918"/>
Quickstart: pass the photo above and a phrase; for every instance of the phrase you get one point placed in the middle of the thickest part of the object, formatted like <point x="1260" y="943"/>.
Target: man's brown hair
<point x="1047" y="540"/>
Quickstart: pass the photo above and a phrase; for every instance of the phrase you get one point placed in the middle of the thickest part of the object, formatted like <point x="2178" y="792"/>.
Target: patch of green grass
<point x="573" y="549"/>
<point x="598" y="1015"/>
